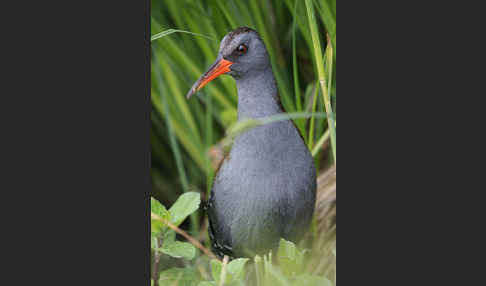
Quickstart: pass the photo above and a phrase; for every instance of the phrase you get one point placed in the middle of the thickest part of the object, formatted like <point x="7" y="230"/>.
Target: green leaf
<point x="176" y="249"/>
<point x="157" y="208"/>
<point x="290" y="258"/>
<point x="207" y="283"/>
<point x="178" y="276"/>
<point x="287" y="249"/>
<point x="179" y="249"/>
<point x="216" y="267"/>
<point x="259" y="269"/>
<point x="168" y="237"/>
<point x="234" y="272"/>
<point x="311" y="280"/>
<point x="185" y="205"/>
<point x="276" y="277"/>
<point x="237" y="268"/>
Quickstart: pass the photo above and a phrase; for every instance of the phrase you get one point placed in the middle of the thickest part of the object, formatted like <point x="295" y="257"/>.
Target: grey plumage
<point x="265" y="188"/>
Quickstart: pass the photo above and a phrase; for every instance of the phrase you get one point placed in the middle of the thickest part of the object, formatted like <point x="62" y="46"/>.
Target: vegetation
<point x="189" y="137"/>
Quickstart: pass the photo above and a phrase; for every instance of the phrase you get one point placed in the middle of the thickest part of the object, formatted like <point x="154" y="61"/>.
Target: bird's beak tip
<point x="221" y="66"/>
<point x="191" y="92"/>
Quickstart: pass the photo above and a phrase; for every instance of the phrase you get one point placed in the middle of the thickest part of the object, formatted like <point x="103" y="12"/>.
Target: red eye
<point x="242" y="49"/>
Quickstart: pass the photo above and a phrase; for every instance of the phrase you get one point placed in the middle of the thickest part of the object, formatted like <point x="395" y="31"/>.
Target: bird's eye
<point x="242" y="49"/>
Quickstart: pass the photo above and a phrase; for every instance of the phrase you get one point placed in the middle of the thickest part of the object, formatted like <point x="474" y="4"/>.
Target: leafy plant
<point x="163" y="238"/>
<point x="290" y="260"/>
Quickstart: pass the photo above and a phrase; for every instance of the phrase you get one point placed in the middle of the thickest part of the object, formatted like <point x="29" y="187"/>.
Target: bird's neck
<point x="258" y="95"/>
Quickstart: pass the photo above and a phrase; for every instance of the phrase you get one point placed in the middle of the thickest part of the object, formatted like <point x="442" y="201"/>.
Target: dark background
<point x="75" y="145"/>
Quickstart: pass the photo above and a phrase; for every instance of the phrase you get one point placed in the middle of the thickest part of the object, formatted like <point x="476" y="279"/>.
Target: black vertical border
<point x="148" y="146"/>
<point x="75" y="148"/>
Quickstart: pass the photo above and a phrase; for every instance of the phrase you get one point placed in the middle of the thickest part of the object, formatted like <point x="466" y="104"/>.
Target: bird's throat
<point x="257" y="95"/>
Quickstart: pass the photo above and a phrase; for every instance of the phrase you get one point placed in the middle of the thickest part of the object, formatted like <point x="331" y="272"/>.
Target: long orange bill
<point x="219" y="67"/>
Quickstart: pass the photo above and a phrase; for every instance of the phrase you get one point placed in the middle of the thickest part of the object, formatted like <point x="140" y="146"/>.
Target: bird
<point x="265" y="188"/>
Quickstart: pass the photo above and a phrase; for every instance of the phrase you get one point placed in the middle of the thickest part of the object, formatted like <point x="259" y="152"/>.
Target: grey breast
<point x="264" y="190"/>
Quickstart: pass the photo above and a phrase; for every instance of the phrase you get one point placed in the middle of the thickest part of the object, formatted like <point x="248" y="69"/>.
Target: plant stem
<point x="155" y="267"/>
<point x="321" y="141"/>
<point x="321" y="73"/>
<point x="222" y="277"/>
<point x="189" y="238"/>
<point x="311" y="127"/>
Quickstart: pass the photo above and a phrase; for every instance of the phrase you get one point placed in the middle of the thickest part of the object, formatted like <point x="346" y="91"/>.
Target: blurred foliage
<point x="186" y="134"/>
<point x="292" y="266"/>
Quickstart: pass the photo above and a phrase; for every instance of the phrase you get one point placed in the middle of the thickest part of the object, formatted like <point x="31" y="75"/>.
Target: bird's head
<point x="242" y="53"/>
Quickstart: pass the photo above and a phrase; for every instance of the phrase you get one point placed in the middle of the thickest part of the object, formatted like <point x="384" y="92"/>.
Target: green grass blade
<point x="294" y="67"/>
<point x="175" y="147"/>
<point x="298" y="104"/>
<point x="321" y="72"/>
<point x="327" y="11"/>
<point x="310" y="140"/>
<point x="319" y="143"/>
<point x="209" y="142"/>
<point x="329" y="65"/>
<point x="247" y="124"/>
<point x="171" y="31"/>
<point x="227" y="15"/>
